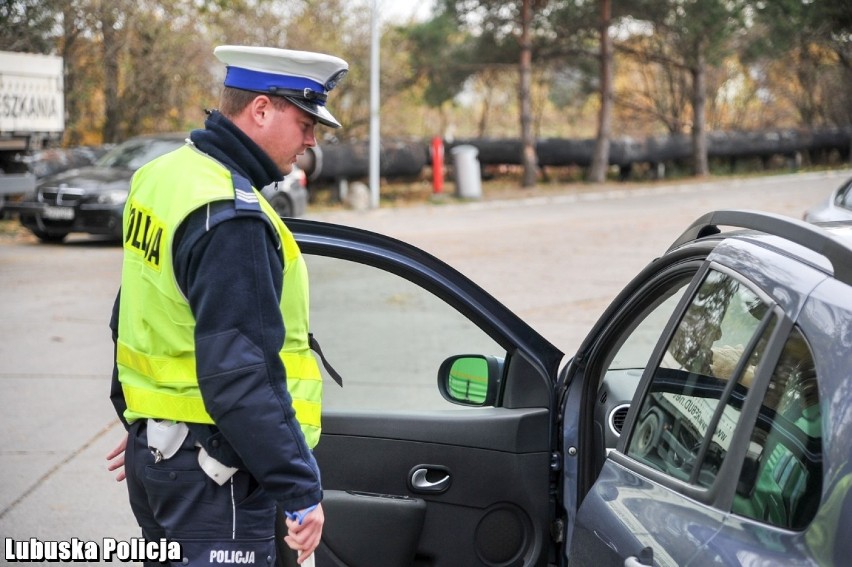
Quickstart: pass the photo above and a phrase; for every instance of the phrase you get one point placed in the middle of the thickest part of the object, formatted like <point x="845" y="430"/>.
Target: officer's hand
<point x="116" y="459"/>
<point x="305" y="537"/>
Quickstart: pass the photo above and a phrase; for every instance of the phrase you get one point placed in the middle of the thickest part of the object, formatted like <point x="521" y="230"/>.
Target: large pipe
<point x="334" y="162"/>
<point x="352" y="160"/>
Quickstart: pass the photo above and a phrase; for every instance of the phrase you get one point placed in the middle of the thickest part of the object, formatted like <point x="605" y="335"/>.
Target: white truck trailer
<point x="32" y="115"/>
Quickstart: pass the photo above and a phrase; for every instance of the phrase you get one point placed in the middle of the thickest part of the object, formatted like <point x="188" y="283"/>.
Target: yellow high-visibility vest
<point x="156" y="346"/>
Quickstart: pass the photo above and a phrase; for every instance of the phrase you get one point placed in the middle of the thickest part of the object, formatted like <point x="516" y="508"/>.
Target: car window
<point x="133" y="154"/>
<point x="781" y="478"/>
<point x="385" y="334"/>
<point x="636" y="349"/>
<point x="692" y="405"/>
<point x="628" y="357"/>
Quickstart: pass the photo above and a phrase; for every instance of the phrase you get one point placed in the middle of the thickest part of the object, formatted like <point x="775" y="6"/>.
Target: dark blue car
<point x="705" y="420"/>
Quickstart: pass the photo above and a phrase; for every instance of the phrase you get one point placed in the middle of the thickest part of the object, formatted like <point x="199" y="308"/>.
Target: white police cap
<point x="302" y="77"/>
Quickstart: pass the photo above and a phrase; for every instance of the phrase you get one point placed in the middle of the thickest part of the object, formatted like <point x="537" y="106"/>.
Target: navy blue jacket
<point x="232" y="275"/>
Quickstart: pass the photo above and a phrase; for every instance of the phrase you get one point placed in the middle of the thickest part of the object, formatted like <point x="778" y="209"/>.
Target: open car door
<point x="411" y="478"/>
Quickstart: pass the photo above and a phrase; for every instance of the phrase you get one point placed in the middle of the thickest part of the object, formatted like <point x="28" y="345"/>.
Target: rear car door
<point x="409" y="478"/>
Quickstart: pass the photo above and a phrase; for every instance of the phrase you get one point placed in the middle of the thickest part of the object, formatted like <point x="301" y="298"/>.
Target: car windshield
<point x="133" y="154"/>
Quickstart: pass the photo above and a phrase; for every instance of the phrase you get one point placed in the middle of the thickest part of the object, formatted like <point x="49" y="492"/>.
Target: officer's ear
<point x="259" y="110"/>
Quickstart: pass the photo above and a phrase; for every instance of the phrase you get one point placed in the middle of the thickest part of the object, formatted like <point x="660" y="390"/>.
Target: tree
<point x="440" y="55"/>
<point x="164" y="72"/>
<point x="692" y="35"/>
<point x="29" y="25"/>
<point x="500" y="28"/>
<point x="110" y="17"/>
<point x="455" y="57"/>
<point x="600" y="158"/>
<point x="651" y="93"/>
<point x="479" y="67"/>
<point x="76" y="51"/>
<point x="809" y="45"/>
<point x="555" y="36"/>
<point x="529" y="160"/>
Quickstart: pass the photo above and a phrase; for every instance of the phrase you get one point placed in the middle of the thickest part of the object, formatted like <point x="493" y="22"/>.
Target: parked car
<point x="837" y="206"/>
<point x="56" y="160"/>
<point x="289" y="197"/>
<point x="91" y="199"/>
<point x="41" y="163"/>
<point x="705" y="420"/>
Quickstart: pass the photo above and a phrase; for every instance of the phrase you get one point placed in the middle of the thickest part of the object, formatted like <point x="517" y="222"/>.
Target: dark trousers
<point x="175" y="499"/>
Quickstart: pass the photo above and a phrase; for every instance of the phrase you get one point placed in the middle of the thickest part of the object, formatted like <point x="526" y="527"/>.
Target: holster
<point x="218" y="472"/>
<point x="165" y="437"/>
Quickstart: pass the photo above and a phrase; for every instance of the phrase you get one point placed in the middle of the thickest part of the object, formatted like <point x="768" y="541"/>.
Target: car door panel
<point x="498" y="429"/>
<point x="356" y="520"/>
<point x="487" y="488"/>
<point x="422" y="481"/>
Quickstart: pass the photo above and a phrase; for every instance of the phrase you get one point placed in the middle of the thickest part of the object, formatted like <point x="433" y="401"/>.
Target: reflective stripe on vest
<point x="182" y="403"/>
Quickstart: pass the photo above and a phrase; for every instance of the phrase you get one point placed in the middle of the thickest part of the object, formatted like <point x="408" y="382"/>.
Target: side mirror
<point x="471" y="379"/>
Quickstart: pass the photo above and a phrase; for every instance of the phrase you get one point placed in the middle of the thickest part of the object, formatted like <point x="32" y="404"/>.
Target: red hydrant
<point x="437" y="165"/>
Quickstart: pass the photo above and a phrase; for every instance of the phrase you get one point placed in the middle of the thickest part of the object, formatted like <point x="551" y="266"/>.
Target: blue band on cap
<point x="250" y="80"/>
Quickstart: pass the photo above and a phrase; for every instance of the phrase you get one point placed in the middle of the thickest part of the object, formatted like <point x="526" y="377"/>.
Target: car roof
<point x="161" y="136"/>
<point x="825" y="246"/>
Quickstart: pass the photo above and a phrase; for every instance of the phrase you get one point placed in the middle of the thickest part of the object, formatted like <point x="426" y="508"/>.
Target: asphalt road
<point x="556" y="260"/>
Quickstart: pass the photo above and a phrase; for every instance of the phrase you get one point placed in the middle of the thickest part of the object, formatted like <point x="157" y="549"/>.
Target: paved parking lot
<point x="557" y="260"/>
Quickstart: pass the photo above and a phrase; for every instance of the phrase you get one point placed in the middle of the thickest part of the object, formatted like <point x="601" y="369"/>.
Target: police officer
<point x="214" y="377"/>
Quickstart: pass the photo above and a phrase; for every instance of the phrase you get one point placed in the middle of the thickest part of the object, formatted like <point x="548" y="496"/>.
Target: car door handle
<point x="419" y="479"/>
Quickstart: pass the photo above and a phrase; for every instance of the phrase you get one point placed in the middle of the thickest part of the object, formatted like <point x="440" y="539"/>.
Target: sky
<point x="404" y="10"/>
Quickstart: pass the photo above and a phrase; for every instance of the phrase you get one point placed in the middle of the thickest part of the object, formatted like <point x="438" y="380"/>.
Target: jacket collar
<point x="222" y="140"/>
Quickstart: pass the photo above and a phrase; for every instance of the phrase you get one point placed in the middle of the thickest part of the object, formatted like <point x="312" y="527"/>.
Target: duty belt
<point x="165" y="438"/>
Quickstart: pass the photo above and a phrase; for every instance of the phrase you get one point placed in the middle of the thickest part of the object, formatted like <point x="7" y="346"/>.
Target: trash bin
<point x="468" y="178"/>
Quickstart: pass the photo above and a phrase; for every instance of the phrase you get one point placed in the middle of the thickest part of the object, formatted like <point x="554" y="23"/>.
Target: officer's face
<point x="291" y="133"/>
